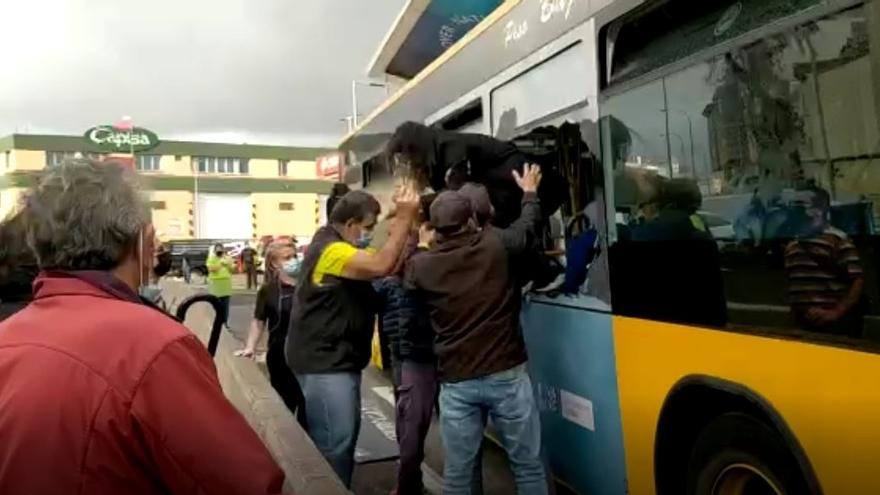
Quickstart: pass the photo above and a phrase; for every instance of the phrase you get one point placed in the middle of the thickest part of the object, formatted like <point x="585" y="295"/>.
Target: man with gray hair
<point x="103" y="393"/>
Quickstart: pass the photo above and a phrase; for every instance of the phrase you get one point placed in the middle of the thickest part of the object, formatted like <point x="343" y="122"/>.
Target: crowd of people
<point x="81" y="249"/>
<point x="446" y="292"/>
<point x="131" y="400"/>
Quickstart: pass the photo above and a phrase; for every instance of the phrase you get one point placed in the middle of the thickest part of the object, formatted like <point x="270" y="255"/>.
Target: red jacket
<point x="100" y="395"/>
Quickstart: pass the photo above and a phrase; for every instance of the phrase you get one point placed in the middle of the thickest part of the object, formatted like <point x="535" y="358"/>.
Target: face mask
<point x="364" y="240"/>
<point x="150" y="293"/>
<point x="291" y="267"/>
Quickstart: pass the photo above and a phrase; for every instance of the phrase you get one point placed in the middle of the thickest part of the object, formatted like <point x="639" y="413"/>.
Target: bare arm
<point x="365" y="265"/>
<point x="853" y="296"/>
<point x="254" y="335"/>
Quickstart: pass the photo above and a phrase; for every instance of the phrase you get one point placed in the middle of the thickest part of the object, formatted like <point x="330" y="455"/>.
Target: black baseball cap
<point x="450" y="210"/>
<point x="480" y="202"/>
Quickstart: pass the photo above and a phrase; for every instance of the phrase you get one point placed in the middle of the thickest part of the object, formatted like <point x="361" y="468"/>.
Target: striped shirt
<point x="821" y="269"/>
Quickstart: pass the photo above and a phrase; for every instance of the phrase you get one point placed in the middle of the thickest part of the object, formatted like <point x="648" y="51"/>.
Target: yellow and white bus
<point x="674" y="369"/>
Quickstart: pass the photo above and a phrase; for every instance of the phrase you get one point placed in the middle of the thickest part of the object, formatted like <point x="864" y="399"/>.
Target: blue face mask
<point x="364" y="240"/>
<point x="291" y="267"/>
<point x="150" y="293"/>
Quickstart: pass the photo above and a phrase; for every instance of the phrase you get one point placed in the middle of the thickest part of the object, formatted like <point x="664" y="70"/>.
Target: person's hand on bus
<point x="530" y="178"/>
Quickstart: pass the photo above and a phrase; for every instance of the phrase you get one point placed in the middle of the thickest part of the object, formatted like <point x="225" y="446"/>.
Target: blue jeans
<point x="333" y="414"/>
<point x="507" y="398"/>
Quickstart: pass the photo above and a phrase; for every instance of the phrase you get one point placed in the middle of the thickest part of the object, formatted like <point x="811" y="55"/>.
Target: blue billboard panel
<point x="442" y="24"/>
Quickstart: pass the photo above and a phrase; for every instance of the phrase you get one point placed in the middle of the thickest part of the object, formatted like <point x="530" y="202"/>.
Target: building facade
<point x="196" y="190"/>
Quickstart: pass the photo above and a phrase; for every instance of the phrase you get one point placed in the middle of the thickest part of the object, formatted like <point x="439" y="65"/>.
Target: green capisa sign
<point x="110" y="139"/>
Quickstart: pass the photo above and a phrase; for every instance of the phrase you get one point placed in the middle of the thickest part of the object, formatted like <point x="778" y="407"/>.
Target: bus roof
<point x="514" y="30"/>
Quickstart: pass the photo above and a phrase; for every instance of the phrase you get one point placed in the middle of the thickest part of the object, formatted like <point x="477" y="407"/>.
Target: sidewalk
<point x="249" y="390"/>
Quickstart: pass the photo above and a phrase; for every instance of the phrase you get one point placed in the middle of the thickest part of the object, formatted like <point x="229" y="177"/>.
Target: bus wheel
<point x="736" y="454"/>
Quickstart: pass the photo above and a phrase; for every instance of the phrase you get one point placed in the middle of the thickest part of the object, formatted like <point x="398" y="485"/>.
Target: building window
<point x="282" y="168"/>
<point x="157" y="205"/>
<point x="148" y="163"/>
<point x="222" y="165"/>
<point x="4" y="161"/>
<point x="285" y="206"/>
<point x="56" y="158"/>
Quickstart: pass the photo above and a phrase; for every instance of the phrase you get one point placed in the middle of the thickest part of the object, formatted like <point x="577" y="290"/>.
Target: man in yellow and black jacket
<point x="328" y="342"/>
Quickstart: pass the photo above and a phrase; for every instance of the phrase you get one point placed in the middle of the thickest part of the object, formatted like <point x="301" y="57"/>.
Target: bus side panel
<point x="828" y="396"/>
<point x="571" y="362"/>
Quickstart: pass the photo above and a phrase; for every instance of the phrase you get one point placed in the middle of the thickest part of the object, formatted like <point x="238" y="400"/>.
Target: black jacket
<point x="462" y="157"/>
<point x="405" y="322"/>
<point x="332" y="324"/>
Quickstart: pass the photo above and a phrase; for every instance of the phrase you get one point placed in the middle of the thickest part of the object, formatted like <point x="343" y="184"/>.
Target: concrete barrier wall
<point x="249" y="390"/>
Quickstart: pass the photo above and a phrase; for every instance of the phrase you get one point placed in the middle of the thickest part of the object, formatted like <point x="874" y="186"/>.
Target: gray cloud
<point x="272" y="71"/>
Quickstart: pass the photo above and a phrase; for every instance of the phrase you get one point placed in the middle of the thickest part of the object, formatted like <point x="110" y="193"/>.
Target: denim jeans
<point x="507" y="398"/>
<point x="333" y="414"/>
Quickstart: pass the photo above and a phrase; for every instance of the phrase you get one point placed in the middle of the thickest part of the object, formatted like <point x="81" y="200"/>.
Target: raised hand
<point x="530" y="179"/>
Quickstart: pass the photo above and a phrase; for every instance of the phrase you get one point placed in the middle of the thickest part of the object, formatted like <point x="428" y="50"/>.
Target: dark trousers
<point x="416" y="390"/>
<point x="251" y="271"/>
<point x="285" y="383"/>
<point x="224" y="309"/>
<point x="407" y="473"/>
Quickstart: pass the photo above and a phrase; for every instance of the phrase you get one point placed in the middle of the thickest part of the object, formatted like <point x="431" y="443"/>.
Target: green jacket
<point x="220" y="275"/>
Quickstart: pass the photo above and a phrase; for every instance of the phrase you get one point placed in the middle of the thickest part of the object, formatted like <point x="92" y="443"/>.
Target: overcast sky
<point x="257" y="71"/>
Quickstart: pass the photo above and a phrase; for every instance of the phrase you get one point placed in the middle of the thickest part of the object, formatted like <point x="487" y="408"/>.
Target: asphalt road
<point x="378" y="478"/>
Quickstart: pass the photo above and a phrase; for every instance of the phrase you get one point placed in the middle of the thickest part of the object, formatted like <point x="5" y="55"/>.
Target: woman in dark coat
<point x="447" y="160"/>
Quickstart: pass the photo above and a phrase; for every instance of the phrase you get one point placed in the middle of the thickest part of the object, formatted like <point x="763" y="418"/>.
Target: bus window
<point x="771" y="151"/>
<point x="579" y="227"/>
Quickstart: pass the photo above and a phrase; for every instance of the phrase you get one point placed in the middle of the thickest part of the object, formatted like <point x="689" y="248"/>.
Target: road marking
<point x="432" y="482"/>
<point x="379" y="420"/>
<point x="385" y="393"/>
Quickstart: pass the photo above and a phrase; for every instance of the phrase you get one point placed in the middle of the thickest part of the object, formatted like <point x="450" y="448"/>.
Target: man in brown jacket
<point x="473" y="301"/>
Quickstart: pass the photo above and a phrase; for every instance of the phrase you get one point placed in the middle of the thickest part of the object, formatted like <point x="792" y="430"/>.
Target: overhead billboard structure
<point x="423" y="31"/>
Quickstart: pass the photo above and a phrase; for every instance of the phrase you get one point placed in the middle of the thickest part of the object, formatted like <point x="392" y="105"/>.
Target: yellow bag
<point x="376" y="357"/>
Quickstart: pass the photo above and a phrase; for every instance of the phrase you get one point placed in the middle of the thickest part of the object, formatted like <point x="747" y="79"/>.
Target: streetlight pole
<point x="691" y="135"/>
<point x="196" y="223"/>
<point x="666" y="124"/>
<point x="354" y="104"/>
